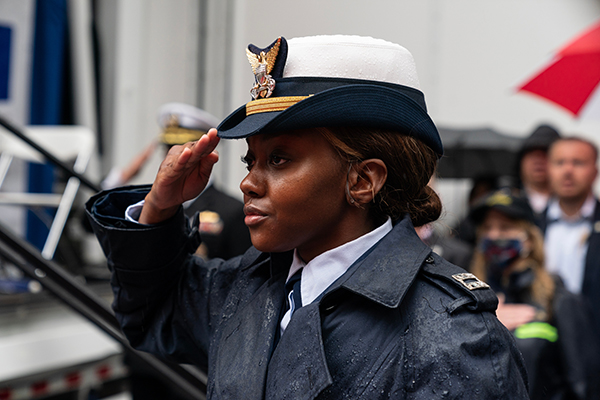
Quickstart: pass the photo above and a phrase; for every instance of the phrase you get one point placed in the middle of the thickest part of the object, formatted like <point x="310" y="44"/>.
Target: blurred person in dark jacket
<point x="224" y="234"/>
<point x="533" y="168"/>
<point x="222" y="229"/>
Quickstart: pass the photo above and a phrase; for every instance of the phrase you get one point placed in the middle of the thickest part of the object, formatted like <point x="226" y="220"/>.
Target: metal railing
<point x="189" y="381"/>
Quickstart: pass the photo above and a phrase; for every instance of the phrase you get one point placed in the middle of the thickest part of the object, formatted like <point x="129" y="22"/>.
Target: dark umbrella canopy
<point x="471" y="153"/>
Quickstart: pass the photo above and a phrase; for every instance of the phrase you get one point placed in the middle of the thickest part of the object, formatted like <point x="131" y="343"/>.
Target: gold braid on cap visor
<point x="272" y="104"/>
<point x="177" y="135"/>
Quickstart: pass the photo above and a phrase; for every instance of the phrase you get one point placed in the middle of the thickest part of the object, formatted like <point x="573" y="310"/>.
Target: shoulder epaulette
<point x="469" y="291"/>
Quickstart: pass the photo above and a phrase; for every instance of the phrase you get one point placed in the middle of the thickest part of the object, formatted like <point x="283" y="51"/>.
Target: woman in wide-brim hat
<point x="339" y="298"/>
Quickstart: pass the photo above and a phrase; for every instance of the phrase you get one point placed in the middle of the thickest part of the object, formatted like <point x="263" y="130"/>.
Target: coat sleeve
<point x="449" y="353"/>
<point x="165" y="298"/>
<point x="476" y="359"/>
<point x="460" y="346"/>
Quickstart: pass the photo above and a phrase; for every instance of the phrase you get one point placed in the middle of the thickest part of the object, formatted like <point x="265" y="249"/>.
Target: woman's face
<point x="294" y="194"/>
<point x="497" y="226"/>
<point x="502" y="241"/>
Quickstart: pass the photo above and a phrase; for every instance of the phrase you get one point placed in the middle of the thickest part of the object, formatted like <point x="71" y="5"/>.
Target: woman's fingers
<point x="192" y="153"/>
<point x="183" y="175"/>
<point x="203" y="147"/>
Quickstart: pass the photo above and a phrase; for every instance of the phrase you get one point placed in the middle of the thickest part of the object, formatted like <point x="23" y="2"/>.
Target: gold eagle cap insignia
<point x="262" y="65"/>
<point x="268" y="59"/>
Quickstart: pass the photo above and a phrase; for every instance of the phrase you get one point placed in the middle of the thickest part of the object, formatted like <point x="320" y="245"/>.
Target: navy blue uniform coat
<point x="395" y="326"/>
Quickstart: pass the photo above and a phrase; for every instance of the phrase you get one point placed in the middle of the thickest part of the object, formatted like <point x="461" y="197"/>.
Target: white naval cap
<point x="181" y="123"/>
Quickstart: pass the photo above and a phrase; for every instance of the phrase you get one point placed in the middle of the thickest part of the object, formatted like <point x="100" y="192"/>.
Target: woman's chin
<point x="268" y="246"/>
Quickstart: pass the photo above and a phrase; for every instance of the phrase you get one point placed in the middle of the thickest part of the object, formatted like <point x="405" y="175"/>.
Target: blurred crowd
<point x="537" y="244"/>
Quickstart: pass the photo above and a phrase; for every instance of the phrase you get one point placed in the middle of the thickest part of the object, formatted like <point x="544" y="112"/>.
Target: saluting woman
<point x="338" y="298"/>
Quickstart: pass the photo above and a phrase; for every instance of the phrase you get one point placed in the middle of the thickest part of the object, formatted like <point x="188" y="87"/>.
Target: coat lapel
<point x="298" y="369"/>
<point x="396" y="258"/>
<point x="246" y="344"/>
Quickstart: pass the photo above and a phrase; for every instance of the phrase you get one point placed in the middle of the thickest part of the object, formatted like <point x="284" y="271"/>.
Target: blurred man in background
<point x="572" y="220"/>
<point x="533" y="168"/>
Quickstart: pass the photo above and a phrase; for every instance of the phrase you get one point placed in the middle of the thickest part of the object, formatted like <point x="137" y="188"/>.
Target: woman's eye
<point x="276" y="160"/>
<point x="248" y="161"/>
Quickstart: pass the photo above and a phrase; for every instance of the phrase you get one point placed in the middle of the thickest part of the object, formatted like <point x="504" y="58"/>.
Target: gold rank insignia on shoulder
<point x="470" y="281"/>
<point x="262" y="65"/>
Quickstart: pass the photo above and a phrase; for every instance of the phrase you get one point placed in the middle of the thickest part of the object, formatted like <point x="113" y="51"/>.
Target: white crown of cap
<point x="346" y="56"/>
<point x="188" y="116"/>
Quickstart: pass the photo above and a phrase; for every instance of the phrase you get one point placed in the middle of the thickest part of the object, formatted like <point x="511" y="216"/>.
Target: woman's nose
<point x="250" y="185"/>
<point x="493" y="234"/>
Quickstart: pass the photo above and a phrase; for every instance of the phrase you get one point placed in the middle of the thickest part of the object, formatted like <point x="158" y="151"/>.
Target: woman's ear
<point x="365" y="180"/>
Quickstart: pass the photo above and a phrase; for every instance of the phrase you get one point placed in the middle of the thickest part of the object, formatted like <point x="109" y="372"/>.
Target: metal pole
<point x="191" y="382"/>
<point x="68" y="170"/>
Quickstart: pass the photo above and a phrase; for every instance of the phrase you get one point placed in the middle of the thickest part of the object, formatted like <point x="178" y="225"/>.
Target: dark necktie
<point x="292" y="288"/>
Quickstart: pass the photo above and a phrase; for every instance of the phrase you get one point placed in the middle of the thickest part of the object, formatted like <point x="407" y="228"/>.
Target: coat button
<point x="429" y="260"/>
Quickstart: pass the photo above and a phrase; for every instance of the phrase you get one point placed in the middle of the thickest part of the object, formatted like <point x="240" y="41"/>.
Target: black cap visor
<point x="351" y="103"/>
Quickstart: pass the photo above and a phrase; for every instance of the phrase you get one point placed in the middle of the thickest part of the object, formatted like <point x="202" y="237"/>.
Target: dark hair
<point x="410" y="164"/>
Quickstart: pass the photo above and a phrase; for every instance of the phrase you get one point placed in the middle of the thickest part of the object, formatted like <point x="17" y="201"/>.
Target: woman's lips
<point x="253" y="215"/>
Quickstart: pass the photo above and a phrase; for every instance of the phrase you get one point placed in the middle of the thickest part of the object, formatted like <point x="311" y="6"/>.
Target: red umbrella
<point x="571" y="78"/>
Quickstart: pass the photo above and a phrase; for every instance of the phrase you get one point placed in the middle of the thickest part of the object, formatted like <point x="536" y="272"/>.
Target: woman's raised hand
<point x="182" y="176"/>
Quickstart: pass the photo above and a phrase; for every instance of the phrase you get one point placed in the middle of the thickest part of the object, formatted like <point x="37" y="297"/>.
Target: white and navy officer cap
<point x="333" y="81"/>
<point x="181" y="123"/>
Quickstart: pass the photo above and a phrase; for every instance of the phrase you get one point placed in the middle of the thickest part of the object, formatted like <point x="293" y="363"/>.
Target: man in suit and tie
<point x="572" y="221"/>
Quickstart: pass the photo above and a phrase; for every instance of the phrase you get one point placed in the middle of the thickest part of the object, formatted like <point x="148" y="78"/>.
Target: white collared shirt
<point x="132" y="213"/>
<point x="566" y="242"/>
<point x="327" y="267"/>
<point x="538" y="201"/>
